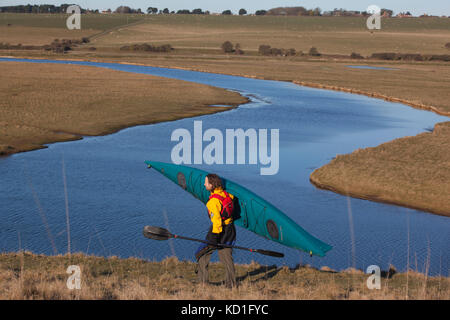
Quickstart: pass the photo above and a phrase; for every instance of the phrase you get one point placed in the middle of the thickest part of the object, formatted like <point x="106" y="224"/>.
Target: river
<point x="112" y="195"/>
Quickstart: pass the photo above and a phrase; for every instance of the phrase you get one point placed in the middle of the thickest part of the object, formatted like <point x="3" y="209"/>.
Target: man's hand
<point x="213" y="238"/>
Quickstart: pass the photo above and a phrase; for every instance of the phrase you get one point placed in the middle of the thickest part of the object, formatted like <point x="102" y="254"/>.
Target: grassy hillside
<point x="40" y="29"/>
<point x="332" y="35"/>
<point x="88" y="21"/>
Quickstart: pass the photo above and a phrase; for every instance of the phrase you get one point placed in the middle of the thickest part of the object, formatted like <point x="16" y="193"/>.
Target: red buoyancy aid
<point x="227" y="205"/>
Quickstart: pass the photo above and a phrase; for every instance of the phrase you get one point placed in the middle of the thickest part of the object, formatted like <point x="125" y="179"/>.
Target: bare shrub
<point x="227" y="47"/>
<point x="314" y="52"/>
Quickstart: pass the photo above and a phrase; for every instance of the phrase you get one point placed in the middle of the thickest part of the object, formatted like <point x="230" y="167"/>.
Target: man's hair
<point x="215" y="180"/>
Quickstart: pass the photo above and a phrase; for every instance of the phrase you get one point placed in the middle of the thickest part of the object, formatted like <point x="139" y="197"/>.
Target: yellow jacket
<point x="214" y="207"/>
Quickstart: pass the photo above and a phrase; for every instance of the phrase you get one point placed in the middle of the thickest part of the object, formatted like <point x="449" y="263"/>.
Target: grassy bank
<point x="378" y="173"/>
<point x="44" y="103"/>
<point x="28" y="276"/>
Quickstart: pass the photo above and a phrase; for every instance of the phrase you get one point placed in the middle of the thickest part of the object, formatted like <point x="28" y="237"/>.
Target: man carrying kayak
<point x="222" y="230"/>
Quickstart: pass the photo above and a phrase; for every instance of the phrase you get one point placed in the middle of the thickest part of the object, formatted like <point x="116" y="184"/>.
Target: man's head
<point x="212" y="182"/>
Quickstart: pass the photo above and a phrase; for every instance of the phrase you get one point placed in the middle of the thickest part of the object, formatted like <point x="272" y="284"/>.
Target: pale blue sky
<point x="416" y="7"/>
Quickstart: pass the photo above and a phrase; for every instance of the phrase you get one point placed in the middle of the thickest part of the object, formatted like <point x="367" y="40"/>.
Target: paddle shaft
<point x="210" y="243"/>
<point x="158" y="233"/>
<point x="266" y="252"/>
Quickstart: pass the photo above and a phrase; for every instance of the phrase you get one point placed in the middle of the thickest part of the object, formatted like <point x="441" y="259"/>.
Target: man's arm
<point x="214" y="208"/>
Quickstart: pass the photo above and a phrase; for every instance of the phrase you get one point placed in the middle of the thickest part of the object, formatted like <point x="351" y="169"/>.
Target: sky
<point x="416" y="7"/>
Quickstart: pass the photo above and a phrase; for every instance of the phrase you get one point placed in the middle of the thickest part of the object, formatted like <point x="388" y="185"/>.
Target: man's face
<point x="208" y="185"/>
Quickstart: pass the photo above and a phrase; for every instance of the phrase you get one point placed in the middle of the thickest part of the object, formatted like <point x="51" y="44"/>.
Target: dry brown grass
<point x="422" y="84"/>
<point x="39" y="36"/>
<point x="197" y="40"/>
<point x="29" y="276"/>
<point x="331" y="35"/>
<point x="43" y="103"/>
<point x="411" y="171"/>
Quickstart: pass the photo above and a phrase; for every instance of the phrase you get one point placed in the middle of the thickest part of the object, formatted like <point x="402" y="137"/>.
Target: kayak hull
<point x="252" y="212"/>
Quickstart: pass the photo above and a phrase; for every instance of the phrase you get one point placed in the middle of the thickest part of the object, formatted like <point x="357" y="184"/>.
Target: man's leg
<point x="203" y="264"/>
<point x="226" y="257"/>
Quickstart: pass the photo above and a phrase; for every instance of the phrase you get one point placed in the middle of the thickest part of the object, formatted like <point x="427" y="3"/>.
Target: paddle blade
<point x="156" y="233"/>
<point x="270" y="253"/>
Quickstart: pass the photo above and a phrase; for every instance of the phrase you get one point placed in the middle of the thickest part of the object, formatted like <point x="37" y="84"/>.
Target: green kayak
<point x="252" y="212"/>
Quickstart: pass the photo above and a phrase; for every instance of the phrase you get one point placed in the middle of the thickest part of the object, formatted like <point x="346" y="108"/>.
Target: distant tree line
<point x="126" y="9"/>
<point x="147" y="47"/>
<point x="49" y="8"/>
<point x="302" y="11"/>
<point x="195" y="11"/>
<point x="410" y="56"/>
<point x="293" y="11"/>
<point x="57" y="46"/>
<point x="42" y="8"/>
<point x="267" y="50"/>
<point x="353" y="13"/>
<point x="286" y="11"/>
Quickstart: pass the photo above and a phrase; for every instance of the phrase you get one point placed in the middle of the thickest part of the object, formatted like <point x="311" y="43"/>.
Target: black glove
<point x="213" y="239"/>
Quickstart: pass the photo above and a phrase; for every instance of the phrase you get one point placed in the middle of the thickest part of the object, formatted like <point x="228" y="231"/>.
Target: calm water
<point x="112" y="195"/>
<point x="371" y="68"/>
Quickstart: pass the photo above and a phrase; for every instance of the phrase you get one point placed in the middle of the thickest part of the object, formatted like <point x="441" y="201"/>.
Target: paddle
<point x="157" y="233"/>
